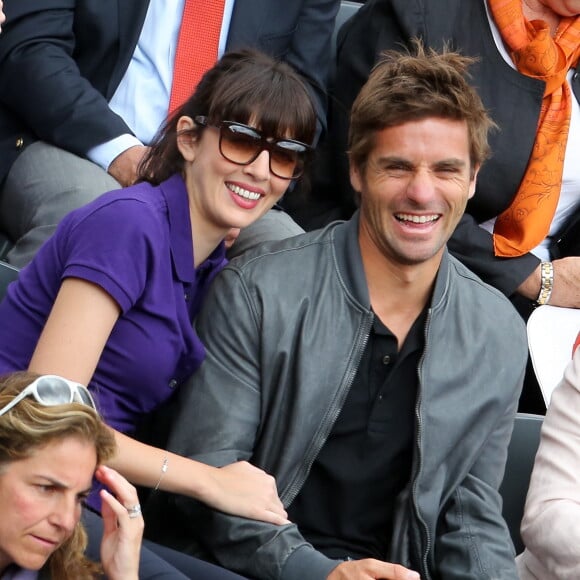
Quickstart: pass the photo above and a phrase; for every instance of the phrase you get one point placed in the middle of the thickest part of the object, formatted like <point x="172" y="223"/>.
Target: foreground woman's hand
<point x="244" y="490"/>
<point x="123" y="526"/>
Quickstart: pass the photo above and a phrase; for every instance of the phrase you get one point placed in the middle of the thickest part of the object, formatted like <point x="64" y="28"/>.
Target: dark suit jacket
<point x="513" y="100"/>
<point x="62" y="60"/>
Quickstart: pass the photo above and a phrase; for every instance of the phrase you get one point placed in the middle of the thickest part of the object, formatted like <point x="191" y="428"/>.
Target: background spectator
<point x="550" y="525"/>
<point x="84" y="86"/>
<point x="519" y="101"/>
<point x="51" y="443"/>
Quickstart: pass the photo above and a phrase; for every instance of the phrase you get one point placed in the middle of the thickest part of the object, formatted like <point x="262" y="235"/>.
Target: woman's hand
<point x="244" y="490"/>
<point x="123" y="526"/>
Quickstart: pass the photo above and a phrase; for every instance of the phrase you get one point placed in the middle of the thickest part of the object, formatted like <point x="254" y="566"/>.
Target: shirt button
<point x="172" y="383"/>
<point x="387" y="359"/>
<point x="381" y="396"/>
<point x="186" y="296"/>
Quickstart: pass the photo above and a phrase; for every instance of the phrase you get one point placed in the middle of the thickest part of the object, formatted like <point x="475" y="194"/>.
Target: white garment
<point x="550" y="528"/>
<point x="142" y="97"/>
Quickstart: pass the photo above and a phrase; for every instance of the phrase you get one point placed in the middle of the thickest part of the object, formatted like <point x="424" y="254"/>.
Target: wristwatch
<point x="547" y="272"/>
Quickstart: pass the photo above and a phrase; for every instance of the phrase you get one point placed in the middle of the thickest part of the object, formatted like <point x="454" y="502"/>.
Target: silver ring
<point x="135" y="511"/>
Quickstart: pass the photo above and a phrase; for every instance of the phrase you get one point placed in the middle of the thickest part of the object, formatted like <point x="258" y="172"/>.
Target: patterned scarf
<point x="526" y="222"/>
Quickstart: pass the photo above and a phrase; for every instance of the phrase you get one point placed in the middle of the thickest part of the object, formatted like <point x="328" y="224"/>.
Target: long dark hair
<point x="243" y="85"/>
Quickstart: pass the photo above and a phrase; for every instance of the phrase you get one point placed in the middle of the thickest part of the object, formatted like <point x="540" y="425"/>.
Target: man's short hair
<point x="404" y="87"/>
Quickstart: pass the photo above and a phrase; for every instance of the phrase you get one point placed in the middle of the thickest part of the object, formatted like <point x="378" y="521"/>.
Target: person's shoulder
<point x="141" y="195"/>
<point x="480" y="292"/>
<point x="138" y="204"/>
<point x="280" y="252"/>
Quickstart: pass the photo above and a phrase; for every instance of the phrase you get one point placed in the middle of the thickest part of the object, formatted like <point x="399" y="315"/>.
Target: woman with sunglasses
<point x="52" y="442"/>
<point x="109" y="300"/>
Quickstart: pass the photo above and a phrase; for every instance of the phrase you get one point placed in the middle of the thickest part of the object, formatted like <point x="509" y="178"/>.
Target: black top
<point x="345" y="508"/>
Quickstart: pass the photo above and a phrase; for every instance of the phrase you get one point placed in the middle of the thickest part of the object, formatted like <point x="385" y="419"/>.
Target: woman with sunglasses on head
<point x="109" y="300"/>
<point x="52" y="442"/>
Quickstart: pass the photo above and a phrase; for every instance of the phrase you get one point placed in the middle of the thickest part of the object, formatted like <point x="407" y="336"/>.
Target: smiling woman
<point x="52" y="442"/>
<point x="110" y="299"/>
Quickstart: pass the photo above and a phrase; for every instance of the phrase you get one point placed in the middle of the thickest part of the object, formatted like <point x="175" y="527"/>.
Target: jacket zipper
<point x="418" y="463"/>
<point x="326" y="427"/>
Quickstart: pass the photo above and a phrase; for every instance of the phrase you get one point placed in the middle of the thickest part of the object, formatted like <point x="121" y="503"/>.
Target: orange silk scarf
<point x="526" y="222"/>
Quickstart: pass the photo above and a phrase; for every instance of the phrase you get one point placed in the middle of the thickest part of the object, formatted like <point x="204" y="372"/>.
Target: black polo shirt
<point x="345" y="508"/>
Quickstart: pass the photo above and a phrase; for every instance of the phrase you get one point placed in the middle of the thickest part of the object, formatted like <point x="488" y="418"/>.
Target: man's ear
<point x="356" y="179"/>
<point x="473" y="182"/>
<point x="186" y="137"/>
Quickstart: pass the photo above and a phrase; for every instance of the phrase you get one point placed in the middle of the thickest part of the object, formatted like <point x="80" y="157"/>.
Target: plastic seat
<point x="5" y="245"/>
<point x="8" y="274"/>
<point x="346" y="10"/>
<point x="520" y="462"/>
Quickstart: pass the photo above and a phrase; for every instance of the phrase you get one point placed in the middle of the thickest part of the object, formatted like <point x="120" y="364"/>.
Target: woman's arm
<point x="76" y="331"/>
<point x="73" y="339"/>
<point x="237" y="489"/>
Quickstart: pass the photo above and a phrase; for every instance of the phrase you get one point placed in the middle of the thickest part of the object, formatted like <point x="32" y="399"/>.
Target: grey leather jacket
<point x="284" y="332"/>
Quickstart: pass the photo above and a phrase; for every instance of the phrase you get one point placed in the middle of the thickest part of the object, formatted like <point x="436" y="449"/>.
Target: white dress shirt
<point x="142" y="97"/>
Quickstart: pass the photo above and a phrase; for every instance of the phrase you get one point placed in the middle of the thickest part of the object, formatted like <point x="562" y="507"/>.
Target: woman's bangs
<point x="279" y="107"/>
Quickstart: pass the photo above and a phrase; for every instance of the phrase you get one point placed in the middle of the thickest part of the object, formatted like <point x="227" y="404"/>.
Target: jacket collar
<point x="350" y="266"/>
<point x="349" y="260"/>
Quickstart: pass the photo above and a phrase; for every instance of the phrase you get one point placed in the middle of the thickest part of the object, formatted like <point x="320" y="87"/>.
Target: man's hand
<point x="566" y="290"/>
<point x="124" y="166"/>
<point x="370" y="569"/>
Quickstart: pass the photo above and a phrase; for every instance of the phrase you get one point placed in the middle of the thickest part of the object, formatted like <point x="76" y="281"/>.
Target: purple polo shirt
<point x="136" y="244"/>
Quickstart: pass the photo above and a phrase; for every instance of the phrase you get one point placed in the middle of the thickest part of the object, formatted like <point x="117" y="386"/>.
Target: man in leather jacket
<point x="368" y="370"/>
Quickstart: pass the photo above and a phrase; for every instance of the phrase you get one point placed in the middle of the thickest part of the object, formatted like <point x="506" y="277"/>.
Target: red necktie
<point x="197" y="47"/>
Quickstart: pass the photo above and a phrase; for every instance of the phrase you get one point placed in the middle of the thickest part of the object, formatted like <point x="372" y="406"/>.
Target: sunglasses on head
<point x="51" y="390"/>
<point x="242" y="144"/>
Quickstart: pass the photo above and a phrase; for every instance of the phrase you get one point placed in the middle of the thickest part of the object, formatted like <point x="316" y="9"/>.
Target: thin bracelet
<point x="164" y="467"/>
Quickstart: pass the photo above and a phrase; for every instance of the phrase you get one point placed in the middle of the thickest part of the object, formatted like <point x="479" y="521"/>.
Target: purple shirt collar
<point x="176" y="197"/>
